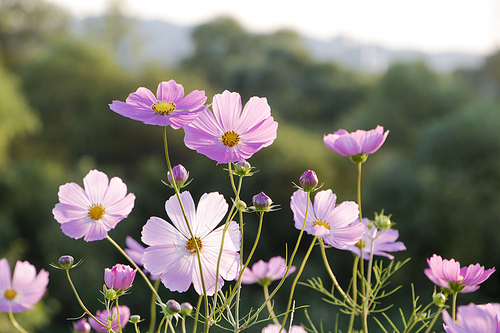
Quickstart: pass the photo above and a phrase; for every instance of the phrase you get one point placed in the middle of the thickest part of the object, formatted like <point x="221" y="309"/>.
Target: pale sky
<point x="427" y="25"/>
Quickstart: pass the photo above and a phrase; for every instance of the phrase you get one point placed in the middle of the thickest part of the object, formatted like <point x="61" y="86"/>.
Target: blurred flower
<point x="308" y="180"/>
<point x="120" y="277"/>
<point x="135" y="251"/>
<point x="181" y="175"/>
<point x="103" y="317"/>
<point x="94" y="211"/>
<point x="338" y="226"/>
<point x="172" y="252"/>
<point x="261" y="202"/>
<point x="264" y="273"/>
<point x="81" y="326"/>
<point x="356" y="143"/>
<point x="229" y="135"/>
<point x="169" y="107"/>
<point x="472" y="318"/>
<point x="448" y="274"/>
<point x="384" y="241"/>
<point x="272" y="328"/>
<point x="25" y="288"/>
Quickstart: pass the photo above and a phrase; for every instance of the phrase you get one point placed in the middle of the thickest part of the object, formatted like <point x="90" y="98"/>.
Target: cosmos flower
<point x="338" y="226"/>
<point x="135" y="251"/>
<point x="93" y="211"/>
<point x="356" y="143"/>
<point x="448" y="274"/>
<point x="384" y="241"/>
<point x="272" y="328"/>
<point x="228" y="134"/>
<point x="472" y="318"/>
<point x="264" y="273"/>
<point x="168" y="107"/>
<point x="25" y="288"/>
<point x="120" y="277"/>
<point x="102" y="316"/>
<point x="172" y="252"/>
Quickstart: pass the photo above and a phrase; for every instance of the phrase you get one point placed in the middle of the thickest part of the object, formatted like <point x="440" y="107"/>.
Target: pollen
<point x="190" y="245"/>
<point x="96" y="212"/>
<point x="460" y="278"/>
<point x="322" y="223"/>
<point x="230" y="138"/>
<point x="163" y="108"/>
<point x="10" y="294"/>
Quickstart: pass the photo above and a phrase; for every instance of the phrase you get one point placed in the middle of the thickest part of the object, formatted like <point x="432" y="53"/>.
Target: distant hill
<point x="166" y="43"/>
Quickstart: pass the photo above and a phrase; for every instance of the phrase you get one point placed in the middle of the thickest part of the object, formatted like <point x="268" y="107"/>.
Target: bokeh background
<point x="438" y="172"/>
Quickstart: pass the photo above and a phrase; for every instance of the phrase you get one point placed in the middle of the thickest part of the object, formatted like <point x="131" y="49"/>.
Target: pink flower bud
<point x="262" y="202"/>
<point x="308" y="180"/>
<point x="181" y="175"/>
<point x="120" y="277"/>
<point x="81" y="326"/>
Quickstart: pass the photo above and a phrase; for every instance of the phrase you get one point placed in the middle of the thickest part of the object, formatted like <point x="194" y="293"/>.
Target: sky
<point x="427" y="25"/>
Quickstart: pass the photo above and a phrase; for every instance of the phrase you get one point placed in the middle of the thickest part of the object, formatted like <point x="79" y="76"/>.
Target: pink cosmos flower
<point x="103" y="317"/>
<point x="172" y="252"/>
<point x="120" y="277"/>
<point x="356" y="143"/>
<point x="272" y="328"/>
<point x="448" y="274"/>
<point x="93" y="211"/>
<point x="384" y="241"/>
<point x="81" y="326"/>
<point x="135" y="251"/>
<point x="25" y="288"/>
<point x="169" y="107"/>
<point x="472" y="318"/>
<point x="230" y="135"/>
<point x="338" y="226"/>
<point x="264" y="273"/>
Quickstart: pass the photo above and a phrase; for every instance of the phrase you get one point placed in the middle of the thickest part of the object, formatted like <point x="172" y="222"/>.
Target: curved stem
<point x="269" y="306"/>
<point x="297" y="276"/>
<point x="15" y="323"/>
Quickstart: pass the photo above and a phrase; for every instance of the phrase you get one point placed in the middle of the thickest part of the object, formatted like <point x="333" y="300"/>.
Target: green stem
<point x="438" y="313"/>
<point x="83" y="305"/>
<point x="152" y="323"/>
<point x="15" y="323"/>
<point x="363" y="282"/>
<point x="297" y="276"/>
<point x="118" y="315"/>
<point x="198" y="305"/>
<point x="269" y="306"/>
<point x="454" y="306"/>
<point x="368" y="284"/>
<point x="354" y="291"/>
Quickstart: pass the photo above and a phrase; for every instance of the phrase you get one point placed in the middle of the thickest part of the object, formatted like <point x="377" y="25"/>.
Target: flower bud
<point x="241" y="205"/>
<point x="261" y="202"/>
<point x="308" y="180"/>
<point x="66" y="262"/>
<point x="135" y="319"/>
<point x="173" y="307"/>
<point x="382" y="222"/>
<point x="81" y="326"/>
<point x="186" y="309"/>
<point x="439" y="299"/>
<point x="120" y="277"/>
<point x="181" y="175"/>
<point x="242" y="168"/>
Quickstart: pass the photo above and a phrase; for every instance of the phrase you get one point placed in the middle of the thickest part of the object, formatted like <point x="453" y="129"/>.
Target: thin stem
<point x="195" y="325"/>
<point x="118" y="315"/>
<point x="83" y="305"/>
<point x="368" y="281"/>
<point x="269" y="306"/>
<point x="454" y="306"/>
<point x="363" y="282"/>
<point x="170" y="326"/>
<point x="297" y="276"/>
<point x="152" y="323"/>
<point x="15" y="323"/>
<point x="354" y="290"/>
<point x="359" y="191"/>
<point x="434" y="320"/>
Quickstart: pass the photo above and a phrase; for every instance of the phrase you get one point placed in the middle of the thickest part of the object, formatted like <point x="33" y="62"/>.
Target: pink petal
<point x="211" y="209"/>
<point x="194" y="100"/>
<point x="157" y="231"/>
<point x="169" y="91"/>
<point x="255" y="111"/>
<point x="176" y="215"/>
<point x="324" y="204"/>
<point x="96" y="184"/>
<point x="227" y="109"/>
<point x="72" y="194"/>
<point x="5" y="282"/>
<point x="143" y="97"/>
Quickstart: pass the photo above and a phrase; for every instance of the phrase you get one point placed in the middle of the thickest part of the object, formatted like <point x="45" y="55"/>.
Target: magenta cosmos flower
<point x="272" y="328"/>
<point x="25" y="288"/>
<point x="472" y="318"/>
<point x="120" y="277"/>
<point x="172" y="252"/>
<point x="448" y="274"/>
<point x="356" y="143"/>
<point x="228" y="134"/>
<point x="103" y="317"/>
<point x="95" y="210"/>
<point x="264" y="273"/>
<point x="384" y="241"/>
<point x="168" y="107"/>
<point x="338" y="226"/>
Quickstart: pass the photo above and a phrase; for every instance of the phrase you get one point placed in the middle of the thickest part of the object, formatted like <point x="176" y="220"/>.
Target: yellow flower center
<point x="230" y="139"/>
<point x="190" y="244"/>
<point x="10" y="294"/>
<point x="96" y="212"/>
<point x="460" y="278"/>
<point x="163" y="108"/>
<point x="321" y="223"/>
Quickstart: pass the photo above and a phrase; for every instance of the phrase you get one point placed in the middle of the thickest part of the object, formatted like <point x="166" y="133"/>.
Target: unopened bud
<point x="308" y="181"/>
<point x="186" y="309"/>
<point x="439" y="299"/>
<point x="181" y="175"/>
<point x="261" y="202"/>
<point x="242" y="168"/>
<point x="241" y="205"/>
<point x="135" y="319"/>
<point x="382" y="222"/>
<point x="173" y="307"/>
<point x="66" y="262"/>
<point x="81" y="326"/>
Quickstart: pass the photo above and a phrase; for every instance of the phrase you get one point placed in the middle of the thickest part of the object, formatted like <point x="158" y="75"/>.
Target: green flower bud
<point x="186" y="309"/>
<point x="135" y="319"/>
<point x="66" y="261"/>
